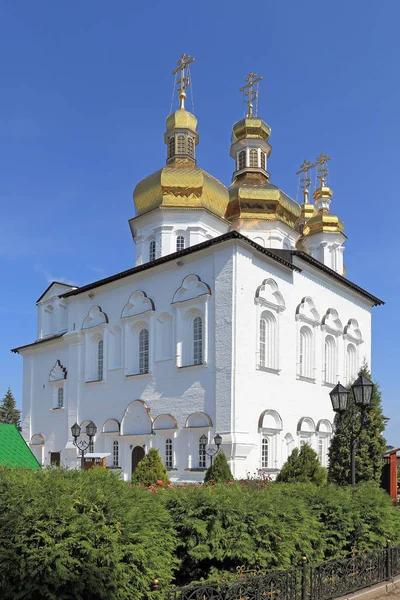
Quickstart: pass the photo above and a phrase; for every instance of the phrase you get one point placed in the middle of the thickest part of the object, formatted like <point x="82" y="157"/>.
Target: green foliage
<point x="80" y="535"/>
<point x="371" y="445"/>
<point x="303" y="467"/>
<point x="8" y="411"/>
<point x="219" y="472"/>
<point x="150" y="470"/>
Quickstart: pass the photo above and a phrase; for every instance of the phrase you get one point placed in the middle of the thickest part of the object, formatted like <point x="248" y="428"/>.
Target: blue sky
<point x="84" y="92"/>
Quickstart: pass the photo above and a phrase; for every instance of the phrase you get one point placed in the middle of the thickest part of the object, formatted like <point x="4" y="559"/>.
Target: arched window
<point x="351" y="363"/>
<point x="202" y="454"/>
<point x="264" y="453"/>
<point x="100" y="359"/>
<point x="115" y="454"/>
<point x="171" y="146"/>
<point x="181" y="144"/>
<point x="267" y="340"/>
<point x="168" y="453"/>
<point x="144" y="351"/>
<point x="253" y="157"/>
<point x="60" y="397"/>
<point x="180" y="243"/>
<point x="190" y="147"/>
<point x="329" y="358"/>
<point x="242" y="160"/>
<point x="305" y="350"/>
<point x="197" y="341"/>
<point x="152" y="250"/>
<point x="263" y="161"/>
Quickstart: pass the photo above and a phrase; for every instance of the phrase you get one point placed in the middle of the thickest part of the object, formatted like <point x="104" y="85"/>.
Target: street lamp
<point x="362" y="390"/>
<point x="83" y="445"/>
<point x="210" y="451"/>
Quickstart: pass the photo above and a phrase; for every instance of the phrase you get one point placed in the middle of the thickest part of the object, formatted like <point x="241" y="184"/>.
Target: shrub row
<point x="90" y="536"/>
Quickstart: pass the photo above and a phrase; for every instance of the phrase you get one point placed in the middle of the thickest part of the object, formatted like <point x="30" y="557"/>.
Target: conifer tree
<point x="303" y="466"/>
<point x="150" y="470"/>
<point x="219" y="471"/>
<point x="370" y="446"/>
<point x="8" y="411"/>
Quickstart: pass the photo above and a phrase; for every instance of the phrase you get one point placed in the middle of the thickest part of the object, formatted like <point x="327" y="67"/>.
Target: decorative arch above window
<point x="331" y="322"/>
<point x="305" y="431"/>
<point x="270" y="420"/>
<point x="137" y="419"/>
<point x="138" y="304"/>
<point x="307" y="312"/>
<point x="198" y="420"/>
<point x="352" y="331"/>
<point x="58" y="372"/>
<point x="95" y="318"/>
<point x="192" y="287"/>
<point x="268" y="294"/>
<point x="165" y="422"/>
<point x="111" y="426"/>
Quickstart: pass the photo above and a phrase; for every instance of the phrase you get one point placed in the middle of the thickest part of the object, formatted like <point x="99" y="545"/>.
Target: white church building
<point x="237" y="319"/>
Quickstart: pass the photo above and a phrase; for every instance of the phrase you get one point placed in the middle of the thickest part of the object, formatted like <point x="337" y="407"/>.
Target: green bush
<point x="150" y="470"/>
<point x="219" y="472"/>
<point x="303" y="466"/>
<point x="80" y="535"/>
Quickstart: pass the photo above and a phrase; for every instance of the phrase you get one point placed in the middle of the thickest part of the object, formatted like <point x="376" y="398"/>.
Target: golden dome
<point x="323" y="221"/>
<point x="250" y="128"/>
<point x="181" y="119"/>
<point x="181" y="184"/>
<point x="251" y="196"/>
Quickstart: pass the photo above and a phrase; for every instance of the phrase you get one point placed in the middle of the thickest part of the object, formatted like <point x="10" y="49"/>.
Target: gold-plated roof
<point x="251" y="196"/>
<point x="323" y="221"/>
<point x="181" y="119"/>
<point x="251" y="128"/>
<point x="181" y="184"/>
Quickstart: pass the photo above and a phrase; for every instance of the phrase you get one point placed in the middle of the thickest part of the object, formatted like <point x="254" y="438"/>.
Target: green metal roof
<point x="14" y="451"/>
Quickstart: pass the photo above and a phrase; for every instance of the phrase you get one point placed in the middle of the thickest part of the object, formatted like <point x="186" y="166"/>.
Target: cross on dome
<point x="184" y="81"/>
<point x="251" y="94"/>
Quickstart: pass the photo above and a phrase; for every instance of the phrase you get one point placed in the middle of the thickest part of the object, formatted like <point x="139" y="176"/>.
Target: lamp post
<point x="83" y="445"/>
<point x="362" y="391"/>
<point x="211" y="452"/>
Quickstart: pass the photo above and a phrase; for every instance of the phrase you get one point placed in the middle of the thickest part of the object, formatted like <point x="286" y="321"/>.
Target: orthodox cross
<point x="184" y="81"/>
<point x="322" y="169"/>
<point x="251" y="94"/>
<point x="305" y="181"/>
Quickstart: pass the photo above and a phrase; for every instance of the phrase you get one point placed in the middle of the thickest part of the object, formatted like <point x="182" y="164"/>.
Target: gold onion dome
<point x="250" y="128"/>
<point x="181" y="184"/>
<point x="323" y="221"/>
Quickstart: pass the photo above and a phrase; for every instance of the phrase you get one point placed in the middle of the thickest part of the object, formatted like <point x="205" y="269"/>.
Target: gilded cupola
<point x="252" y="197"/>
<point x="181" y="184"/>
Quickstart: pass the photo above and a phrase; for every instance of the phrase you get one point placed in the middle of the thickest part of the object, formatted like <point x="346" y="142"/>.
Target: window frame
<point x="198" y="340"/>
<point x="143" y="351"/>
<point x="180" y="243"/>
<point x="169" y="453"/>
<point x="152" y="250"/>
<point x="115" y="454"/>
<point x="100" y="360"/>
<point x="201" y="454"/>
<point x="60" y="392"/>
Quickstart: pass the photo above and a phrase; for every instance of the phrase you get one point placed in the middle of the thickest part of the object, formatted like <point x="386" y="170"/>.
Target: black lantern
<point x="203" y="439"/>
<point x="75" y="430"/>
<point x="362" y="390"/>
<point x="217" y="440"/>
<point x="91" y="429"/>
<point x="339" y="398"/>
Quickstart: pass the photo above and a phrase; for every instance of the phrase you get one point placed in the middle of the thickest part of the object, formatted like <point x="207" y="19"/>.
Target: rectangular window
<point x="264" y="453"/>
<point x="144" y="351"/>
<point x="100" y="360"/>
<point x="198" y="341"/>
<point x="202" y="455"/>
<point x="262" y="342"/>
<point x="168" y="454"/>
<point x="115" y="454"/>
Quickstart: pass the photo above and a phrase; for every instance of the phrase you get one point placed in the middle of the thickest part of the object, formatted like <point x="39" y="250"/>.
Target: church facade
<point x="237" y="319"/>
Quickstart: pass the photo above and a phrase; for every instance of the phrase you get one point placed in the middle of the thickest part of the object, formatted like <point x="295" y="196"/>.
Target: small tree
<point x="8" y="411"/>
<point x="371" y="444"/>
<point x="150" y="470"/>
<point x="219" y="472"/>
<point x="303" y="467"/>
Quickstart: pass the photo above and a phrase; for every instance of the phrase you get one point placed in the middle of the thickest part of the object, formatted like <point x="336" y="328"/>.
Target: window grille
<point x="168" y="453"/>
<point x="144" y="351"/>
<point x="115" y="454"/>
<point x="100" y="360"/>
<point x="253" y="157"/>
<point x="264" y="453"/>
<point x="181" y="144"/>
<point x="171" y="146"/>
<point x="263" y="161"/>
<point x="191" y="147"/>
<point x="242" y="160"/>
<point x="329" y="359"/>
<point x="180" y="243"/>
<point x="60" y="397"/>
<point x="152" y="250"/>
<point x="202" y="455"/>
<point x="197" y="341"/>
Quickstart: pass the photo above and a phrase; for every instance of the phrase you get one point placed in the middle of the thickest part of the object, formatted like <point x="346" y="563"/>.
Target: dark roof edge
<point x="49" y="286"/>
<point x="231" y="235"/>
<point x="38" y="342"/>
<point x="316" y="263"/>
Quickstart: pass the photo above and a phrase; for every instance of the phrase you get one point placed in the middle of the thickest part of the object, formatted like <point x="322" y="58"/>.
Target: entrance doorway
<point x="137" y="455"/>
<point x="55" y="458"/>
